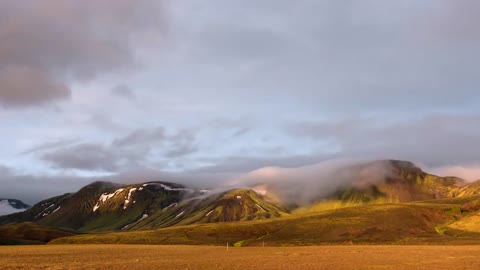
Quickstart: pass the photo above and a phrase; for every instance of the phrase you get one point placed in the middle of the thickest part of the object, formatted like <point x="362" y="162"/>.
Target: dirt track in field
<point x="205" y="257"/>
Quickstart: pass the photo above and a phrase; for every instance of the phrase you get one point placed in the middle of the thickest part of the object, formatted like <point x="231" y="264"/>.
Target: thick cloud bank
<point x="48" y="44"/>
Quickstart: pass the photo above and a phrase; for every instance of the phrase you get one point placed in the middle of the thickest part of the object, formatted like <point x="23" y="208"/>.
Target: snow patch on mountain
<point x="144" y="216"/>
<point x="170" y="206"/>
<point x="105" y="197"/>
<point x="127" y="201"/>
<point x="181" y="213"/>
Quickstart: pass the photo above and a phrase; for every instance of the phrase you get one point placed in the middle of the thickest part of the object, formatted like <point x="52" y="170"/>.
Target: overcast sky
<point x="204" y="90"/>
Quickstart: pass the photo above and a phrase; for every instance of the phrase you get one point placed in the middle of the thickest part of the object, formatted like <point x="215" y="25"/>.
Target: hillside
<point x="401" y="223"/>
<point x="468" y="190"/>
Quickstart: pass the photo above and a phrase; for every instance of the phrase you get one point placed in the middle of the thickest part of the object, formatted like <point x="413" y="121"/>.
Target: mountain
<point x="376" y="192"/>
<point x="402" y="181"/>
<point x="9" y="206"/>
<point x="103" y="206"/>
<point x="405" y="182"/>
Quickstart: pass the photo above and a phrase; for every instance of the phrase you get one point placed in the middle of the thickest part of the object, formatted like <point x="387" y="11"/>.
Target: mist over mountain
<point x="9" y="206"/>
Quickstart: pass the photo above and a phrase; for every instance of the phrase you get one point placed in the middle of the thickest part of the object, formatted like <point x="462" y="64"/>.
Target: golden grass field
<point x="210" y="257"/>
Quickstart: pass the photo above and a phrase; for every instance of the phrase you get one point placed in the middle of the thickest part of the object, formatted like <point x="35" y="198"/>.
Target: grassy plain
<point x="208" y="257"/>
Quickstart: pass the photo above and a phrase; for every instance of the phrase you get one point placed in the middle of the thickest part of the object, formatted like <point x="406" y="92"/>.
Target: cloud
<point x="33" y="188"/>
<point x="48" y="44"/>
<point x="434" y="140"/>
<point x="470" y="173"/>
<point x="123" y="91"/>
<point x="141" y="136"/>
<point x="20" y="86"/>
<point x="139" y="148"/>
<point x="50" y="145"/>
<point x="182" y="143"/>
<point x="303" y="185"/>
<point x="105" y="122"/>
<point x="6" y="208"/>
<point x="91" y="157"/>
<point x="327" y="57"/>
<point x="242" y="164"/>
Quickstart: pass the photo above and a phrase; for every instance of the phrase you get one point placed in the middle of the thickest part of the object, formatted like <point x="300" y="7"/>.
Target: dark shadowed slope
<point x="29" y="233"/>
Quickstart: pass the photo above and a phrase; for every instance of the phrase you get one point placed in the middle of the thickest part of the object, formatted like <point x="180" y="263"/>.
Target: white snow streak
<point x="104" y="197"/>
<point x="261" y="207"/>
<point x="127" y="201"/>
<point x="170" y="206"/>
<point x="208" y="214"/>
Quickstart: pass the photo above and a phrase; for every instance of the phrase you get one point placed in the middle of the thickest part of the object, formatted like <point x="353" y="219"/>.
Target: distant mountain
<point x="9" y="206"/>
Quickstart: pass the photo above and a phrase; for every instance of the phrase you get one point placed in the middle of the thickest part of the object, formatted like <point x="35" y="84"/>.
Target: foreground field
<point x="205" y="257"/>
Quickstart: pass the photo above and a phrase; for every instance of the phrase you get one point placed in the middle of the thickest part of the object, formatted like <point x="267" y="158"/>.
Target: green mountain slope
<point x="229" y="206"/>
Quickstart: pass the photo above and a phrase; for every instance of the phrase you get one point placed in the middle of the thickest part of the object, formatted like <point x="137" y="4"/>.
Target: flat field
<point x="214" y="257"/>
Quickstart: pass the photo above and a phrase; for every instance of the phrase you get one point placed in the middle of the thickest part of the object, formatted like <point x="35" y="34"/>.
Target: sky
<point x="202" y="91"/>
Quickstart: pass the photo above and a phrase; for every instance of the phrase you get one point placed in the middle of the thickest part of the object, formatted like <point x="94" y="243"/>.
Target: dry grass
<point x="206" y="257"/>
